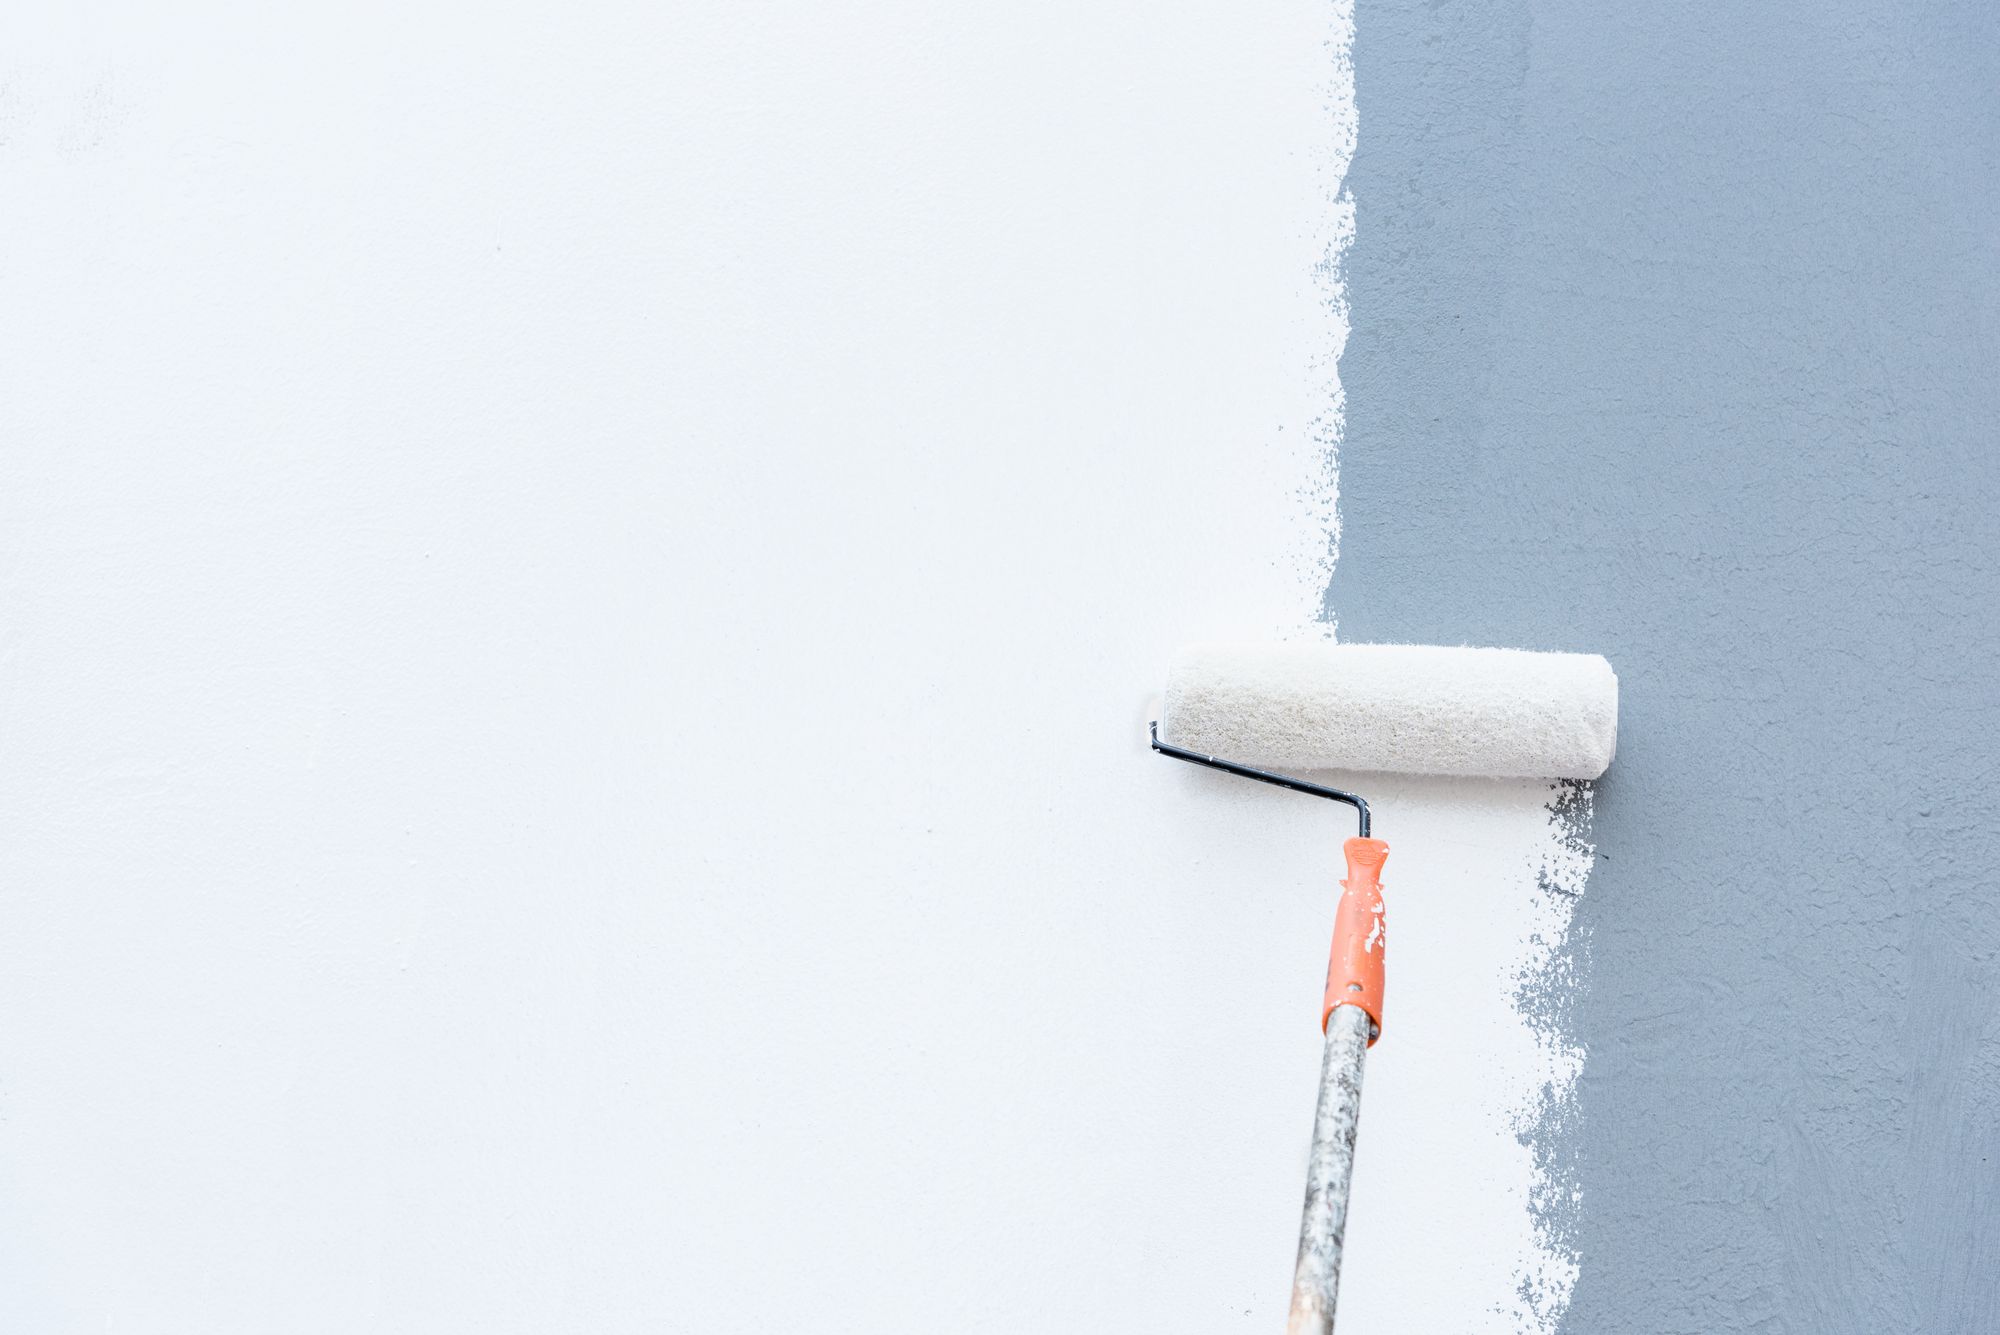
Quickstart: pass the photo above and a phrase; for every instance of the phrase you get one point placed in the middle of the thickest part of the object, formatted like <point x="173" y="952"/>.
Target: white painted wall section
<point x="578" y="588"/>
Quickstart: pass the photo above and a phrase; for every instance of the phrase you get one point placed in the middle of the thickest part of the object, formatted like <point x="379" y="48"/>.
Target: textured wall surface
<point x="1677" y="336"/>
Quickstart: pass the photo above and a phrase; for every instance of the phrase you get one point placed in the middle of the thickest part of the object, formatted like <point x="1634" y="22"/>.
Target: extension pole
<point x="1351" y="1017"/>
<point x="1316" y="1280"/>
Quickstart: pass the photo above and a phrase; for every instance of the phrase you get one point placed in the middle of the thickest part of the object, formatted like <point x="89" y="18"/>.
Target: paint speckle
<point x="1546" y="988"/>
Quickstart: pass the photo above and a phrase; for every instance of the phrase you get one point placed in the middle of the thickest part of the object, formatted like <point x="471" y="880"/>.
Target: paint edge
<point x="1548" y="985"/>
<point x="1326" y="424"/>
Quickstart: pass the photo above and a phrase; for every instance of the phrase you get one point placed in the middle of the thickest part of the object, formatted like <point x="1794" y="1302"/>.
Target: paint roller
<point x="1254" y="710"/>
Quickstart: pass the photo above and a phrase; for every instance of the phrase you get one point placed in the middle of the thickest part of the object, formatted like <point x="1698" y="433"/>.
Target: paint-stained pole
<point x="1316" y="1280"/>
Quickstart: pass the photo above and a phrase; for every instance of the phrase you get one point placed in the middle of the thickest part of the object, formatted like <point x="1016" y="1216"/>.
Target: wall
<point x="578" y="595"/>
<point x="1675" y="337"/>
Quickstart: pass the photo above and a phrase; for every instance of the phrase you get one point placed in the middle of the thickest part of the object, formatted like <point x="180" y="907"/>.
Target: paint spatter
<point x="1547" y="980"/>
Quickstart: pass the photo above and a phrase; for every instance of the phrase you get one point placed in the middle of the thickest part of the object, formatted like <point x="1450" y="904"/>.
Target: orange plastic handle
<point x="1360" y="937"/>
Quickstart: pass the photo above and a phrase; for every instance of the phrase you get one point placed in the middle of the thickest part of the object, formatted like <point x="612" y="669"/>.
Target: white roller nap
<point x="1418" y="709"/>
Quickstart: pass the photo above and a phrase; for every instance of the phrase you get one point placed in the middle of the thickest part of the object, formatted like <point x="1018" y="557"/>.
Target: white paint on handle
<point x="1329" y="1168"/>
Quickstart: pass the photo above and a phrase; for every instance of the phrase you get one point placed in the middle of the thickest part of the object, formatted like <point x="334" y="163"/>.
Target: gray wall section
<point x="1677" y="336"/>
